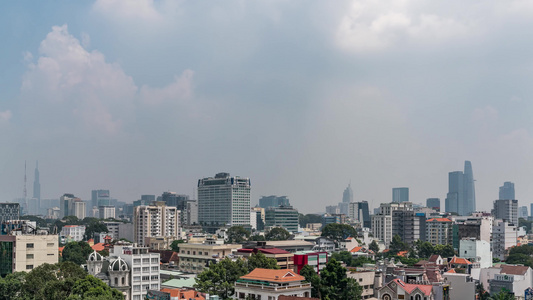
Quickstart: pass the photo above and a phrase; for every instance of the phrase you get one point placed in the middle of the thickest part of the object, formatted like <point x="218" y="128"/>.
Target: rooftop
<point x="279" y="276"/>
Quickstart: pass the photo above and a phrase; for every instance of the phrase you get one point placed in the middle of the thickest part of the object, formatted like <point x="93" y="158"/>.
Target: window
<point x="29" y="245"/>
<point x="50" y="254"/>
<point x="116" y="281"/>
<point x="146" y="260"/>
<point x="155" y="268"/>
<point x="29" y="256"/>
<point x="123" y="281"/>
<point x="136" y="287"/>
<point x="154" y="286"/>
<point x="154" y="260"/>
<point x="29" y="267"/>
<point x="137" y="269"/>
<point x="146" y="269"/>
<point x="137" y="261"/>
<point x="136" y="278"/>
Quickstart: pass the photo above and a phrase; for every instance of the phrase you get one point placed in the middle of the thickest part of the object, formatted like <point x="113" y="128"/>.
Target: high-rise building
<point x="106" y="212"/>
<point x="358" y="211"/>
<point x="506" y="210"/>
<point x="439" y="231"/>
<point x="522" y="212"/>
<point x="347" y="198"/>
<point x="100" y="198"/>
<point x="504" y="236"/>
<point x="433" y="203"/>
<point x="282" y="216"/>
<point x="79" y="209"/>
<point x="9" y="212"/>
<point x="507" y="191"/>
<point x="382" y="222"/>
<point x="409" y="225"/>
<point x="36" y="184"/>
<point x="145" y="200"/>
<point x="461" y="197"/>
<point x="156" y="220"/>
<point x="332" y="210"/>
<point x="273" y="201"/>
<point x="400" y="194"/>
<point x="224" y="200"/>
<point x="71" y="206"/>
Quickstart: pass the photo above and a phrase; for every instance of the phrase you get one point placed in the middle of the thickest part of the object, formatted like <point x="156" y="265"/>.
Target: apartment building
<point x="156" y="220"/>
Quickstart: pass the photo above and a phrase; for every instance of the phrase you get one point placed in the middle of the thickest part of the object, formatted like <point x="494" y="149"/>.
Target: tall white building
<point x="156" y="220"/>
<point x="106" y="212"/>
<point x="224" y="200"/>
<point x="507" y="210"/>
<point x="382" y="222"/>
<point x="504" y="236"/>
<point x="74" y="232"/>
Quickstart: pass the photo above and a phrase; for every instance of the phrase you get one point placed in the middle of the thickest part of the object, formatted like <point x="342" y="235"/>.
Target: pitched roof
<point x="282" y="275"/>
<point x="402" y="253"/>
<point x="98" y="247"/>
<point x="426" y="289"/>
<point x="439" y="220"/>
<point x="183" y="294"/>
<point x="514" y="270"/>
<point x="356" y="249"/>
<point x="460" y="261"/>
<point x="451" y="271"/>
<point x="433" y="258"/>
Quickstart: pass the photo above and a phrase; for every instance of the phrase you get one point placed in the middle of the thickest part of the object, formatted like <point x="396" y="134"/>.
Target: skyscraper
<point x="100" y="198"/>
<point x="507" y="191"/>
<point x="461" y="197"/>
<point x="433" y="203"/>
<point x="224" y="199"/>
<point x="506" y="210"/>
<point x="36" y="184"/>
<point x="347" y="198"/>
<point x="359" y="211"/>
<point x="273" y="201"/>
<point x="400" y="194"/>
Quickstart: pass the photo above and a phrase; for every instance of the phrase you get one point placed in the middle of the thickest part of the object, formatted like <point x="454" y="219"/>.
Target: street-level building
<point x="194" y="258"/>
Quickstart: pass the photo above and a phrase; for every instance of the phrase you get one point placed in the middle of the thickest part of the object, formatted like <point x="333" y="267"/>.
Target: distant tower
<point x="461" y="197"/>
<point x="36" y="184"/>
<point x="507" y="191"/>
<point x="400" y="194"/>
<point x="347" y="195"/>
<point x="25" y="192"/>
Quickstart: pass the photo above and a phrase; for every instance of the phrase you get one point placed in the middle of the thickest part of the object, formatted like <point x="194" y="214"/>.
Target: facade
<point x="358" y="211"/>
<point x="478" y="227"/>
<point x="100" y="198"/>
<point x="347" y="198"/>
<point x="506" y="210"/>
<point x="106" y="212"/>
<point x="71" y="206"/>
<point x="283" y="258"/>
<point x="79" y="209"/>
<point x="400" y="194"/>
<point x="515" y="279"/>
<point x="24" y="252"/>
<point x="73" y="232"/>
<point x="224" y="200"/>
<point x="507" y="191"/>
<point x="9" y="212"/>
<point x="156" y="220"/>
<point x="366" y="280"/>
<point x="476" y="251"/>
<point x="332" y="210"/>
<point x="504" y="236"/>
<point x="433" y="203"/>
<point x="273" y="201"/>
<point x="282" y="216"/>
<point x="259" y="217"/>
<point x="461" y="197"/>
<point x="382" y="222"/>
<point x="439" y="231"/>
<point x="119" y="230"/>
<point x="194" y="258"/>
<point x="270" y="284"/>
<point x="145" y="200"/>
<point x="317" y="260"/>
<point x="398" y="289"/>
<point x="409" y="225"/>
<point x="522" y="212"/>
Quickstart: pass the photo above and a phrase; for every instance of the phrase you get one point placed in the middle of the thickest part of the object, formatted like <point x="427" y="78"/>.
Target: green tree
<point x="520" y="258"/>
<point x="481" y="293"/>
<point x="309" y="218"/>
<point x="444" y="250"/>
<point x="425" y="249"/>
<point x="335" y="285"/>
<point x="12" y="285"/>
<point x="259" y="260"/>
<point x="219" y="278"/>
<point x="312" y="277"/>
<point x="175" y="245"/>
<point x="91" y="287"/>
<point x="277" y="234"/>
<point x="237" y="234"/>
<point x="525" y="223"/>
<point x="93" y="226"/>
<point x="257" y="237"/>
<point x="360" y="261"/>
<point x="76" y="252"/>
<point x="397" y="245"/>
<point x="503" y="294"/>
<point x="344" y="256"/>
<point x="338" y="232"/>
<point x="374" y="246"/>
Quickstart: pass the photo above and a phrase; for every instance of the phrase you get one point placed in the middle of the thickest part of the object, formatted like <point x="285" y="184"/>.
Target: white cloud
<point x="180" y="89"/>
<point x="128" y="9"/>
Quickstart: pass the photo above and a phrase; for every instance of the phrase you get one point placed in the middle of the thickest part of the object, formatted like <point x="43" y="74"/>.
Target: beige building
<point x="24" y="252"/>
<point x="159" y="242"/>
<point x="156" y="220"/>
<point x="195" y="257"/>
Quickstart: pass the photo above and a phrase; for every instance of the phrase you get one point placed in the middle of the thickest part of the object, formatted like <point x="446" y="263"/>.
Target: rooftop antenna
<point x="25" y="180"/>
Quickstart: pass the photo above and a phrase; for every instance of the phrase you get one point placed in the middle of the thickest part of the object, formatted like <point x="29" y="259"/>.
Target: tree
<point x="77" y="252"/>
<point x="219" y="278"/>
<point x="277" y="234"/>
<point x="93" y="226"/>
<point x="259" y="260"/>
<point x="360" y="261"/>
<point x="520" y="258"/>
<point x="425" y="249"/>
<point x="335" y="285"/>
<point x="91" y="287"/>
<point x="374" y="246"/>
<point x="237" y="234"/>
<point x="503" y="294"/>
<point x="397" y="245"/>
<point x="11" y="286"/>
<point x="312" y="277"/>
<point x="525" y="223"/>
<point x="344" y="256"/>
<point x="444" y="250"/>
<point x="175" y="245"/>
<point x="481" y="293"/>
<point x="338" y="232"/>
<point x="257" y="237"/>
<point x="309" y="218"/>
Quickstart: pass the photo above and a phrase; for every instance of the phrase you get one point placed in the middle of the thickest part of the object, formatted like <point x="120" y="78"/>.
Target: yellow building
<point x="24" y="252"/>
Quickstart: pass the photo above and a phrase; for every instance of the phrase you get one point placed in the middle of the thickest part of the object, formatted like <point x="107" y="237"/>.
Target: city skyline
<point x="300" y="97"/>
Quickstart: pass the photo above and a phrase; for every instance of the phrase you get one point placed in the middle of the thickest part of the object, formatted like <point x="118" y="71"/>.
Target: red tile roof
<point x="282" y="275"/>
<point x="403" y="253"/>
<point x="426" y="289"/>
<point x="183" y="294"/>
<point x="460" y="261"/>
<point x="98" y="247"/>
<point x="439" y="220"/>
<point x="451" y="271"/>
<point x="514" y="270"/>
<point x="356" y="249"/>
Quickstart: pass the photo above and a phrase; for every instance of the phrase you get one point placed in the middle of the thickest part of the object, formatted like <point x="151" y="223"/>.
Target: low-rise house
<point x="348" y="244"/>
<point x="398" y="289"/>
<point x="324" y="244"/>
<point x="194" y="258"/>
<point x="182" y="294"/>
<point x="269" y="284"/>
<point x="362" y="251"/>
<point x="513" y="278"/>
<point x="366" y="280"/>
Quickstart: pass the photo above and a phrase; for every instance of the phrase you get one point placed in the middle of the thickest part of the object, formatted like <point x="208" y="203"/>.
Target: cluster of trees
<point x="349" y="260"/>
<point x="64" y="280"/>
<point x="521" y="255"/>
<point x="333" y="283"/>
<point x="219" y="278"/>
<point x="238" y="234"/>
<point x="309" y="218"/>
<point x="78" y="252"/>
<point x="338" y="232"/>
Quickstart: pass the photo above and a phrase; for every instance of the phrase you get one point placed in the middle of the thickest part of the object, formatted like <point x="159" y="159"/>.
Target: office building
<point x="461" y="197"/>
<point x="259" y="218"/>
<point x="37" y="184"/>
<point x="282" y="216"/>
<point x="72" y="206"/>
<point x="73" y="232"/>
<point x="332" y="210"/>
<point x="433" y="203"/>
<point x="504" y="236"/>
<point x="100" y="198"/>
<point x="156" y="220"/>
<point x="522" y="212"/>
<point x="9" y="212"/>
<point x="506" y="210"/>
<point x="224" y="200"/>
<point x="106" y="212"/>
<point x="347" y="198"/>
<point x="358" y="211"/>
<point x="507" y="191"/>
<point x="273" y="201"/>
<point x="400" y="194"/>
<point x="194" y="258"/>
<point x="145" y="200"/>
<point x="22" y="249"/>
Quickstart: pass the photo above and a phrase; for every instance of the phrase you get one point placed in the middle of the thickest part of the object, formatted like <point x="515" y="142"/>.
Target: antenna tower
<point x="25" y="191"/>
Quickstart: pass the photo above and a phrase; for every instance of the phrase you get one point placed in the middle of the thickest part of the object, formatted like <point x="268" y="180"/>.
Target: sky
<point x="303" y="97"/>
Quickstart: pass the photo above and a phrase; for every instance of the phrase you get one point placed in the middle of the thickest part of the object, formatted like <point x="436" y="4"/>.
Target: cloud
<point x="180" y="89"/>
<point x="130" y="9"/>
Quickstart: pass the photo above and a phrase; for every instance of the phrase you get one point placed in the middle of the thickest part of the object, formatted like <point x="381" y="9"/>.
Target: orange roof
<point x="451" y="271"/>
<point x="460" y="261"/>
<point x="426" y="289"/>
<point x="282" y="275"/>
<point x="90" y="240"/>
<point x="98" y="247"/>
<point x="356" y="249"/>
<point x="183" y="294"/>
<point x="439" y="220"/>
<point x="402" y="253"/>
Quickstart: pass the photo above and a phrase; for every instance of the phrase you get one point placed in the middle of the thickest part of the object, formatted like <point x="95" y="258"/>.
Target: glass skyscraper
<point x="507" y="191"/>
<point x="461" y="197"/>
<point x="400" y="194"/>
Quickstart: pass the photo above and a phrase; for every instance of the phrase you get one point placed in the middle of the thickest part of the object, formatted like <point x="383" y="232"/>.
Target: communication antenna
<point x="25" y="180"/>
